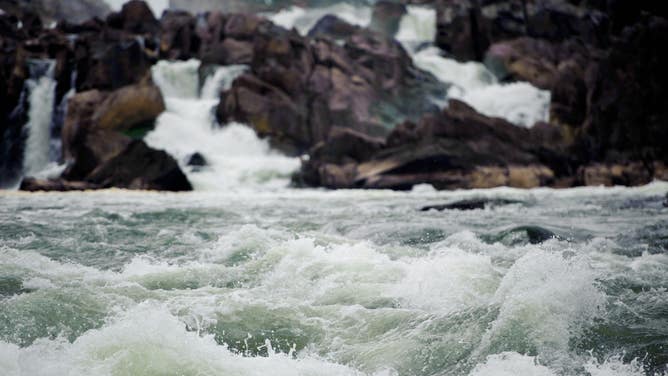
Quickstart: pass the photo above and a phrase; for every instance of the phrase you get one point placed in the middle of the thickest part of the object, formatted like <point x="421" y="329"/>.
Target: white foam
<point x="303" y="19"/>
<point x="236" y="157"/>
<point x="145" y="340"/>
<point x="157" y="6"/>
<point x="520" y="103"/>
<point x="417" y="26"/>
<point x="511" y="364"/>
<point x="545" y="299"/>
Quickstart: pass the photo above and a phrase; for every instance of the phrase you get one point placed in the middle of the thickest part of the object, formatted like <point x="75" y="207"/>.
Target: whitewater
<point x="249" y="276"/>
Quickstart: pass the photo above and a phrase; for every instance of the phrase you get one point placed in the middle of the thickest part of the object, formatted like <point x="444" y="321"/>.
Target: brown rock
<point x="128" y="107"/>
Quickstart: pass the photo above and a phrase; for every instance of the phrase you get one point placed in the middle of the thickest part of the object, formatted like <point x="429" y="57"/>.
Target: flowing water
<point x="311" y="282"/>
<point x="246" y="276"/>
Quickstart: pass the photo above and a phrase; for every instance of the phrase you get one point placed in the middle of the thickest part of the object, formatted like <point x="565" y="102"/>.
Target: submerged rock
<point x="523" y="235"/>
<point x="197" y="160"/>
<point x="34" y="185"/>
<point x="472" y="204"/>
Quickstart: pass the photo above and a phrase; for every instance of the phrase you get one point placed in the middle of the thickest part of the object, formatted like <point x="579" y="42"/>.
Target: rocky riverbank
<point x="350" y="98"/>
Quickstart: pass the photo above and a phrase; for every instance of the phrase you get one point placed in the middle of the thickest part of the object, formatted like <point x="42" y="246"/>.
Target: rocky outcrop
<point x="298" y="89"/>
<point x="457" y="148"/>
<point x="138" y="166"/>
<point x="98" y="152"/>
<point x="57" y="10"/>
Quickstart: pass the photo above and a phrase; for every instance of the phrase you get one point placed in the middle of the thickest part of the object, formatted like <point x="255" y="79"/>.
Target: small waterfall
<point x="303" y="19"/>
<point x="520" y="103"/>
<point x="41" y="87"/>
<point x="417" y="27"/>
<point x="235" y="156"/>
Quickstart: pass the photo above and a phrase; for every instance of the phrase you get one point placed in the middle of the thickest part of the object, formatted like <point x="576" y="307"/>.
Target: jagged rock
<point x="75" y="11"/>
<point x="458" y="148"/>
<point x="297" y="90"/>
<point x="333" y="27"/>
<point x="140" y="167"/>
<point x="110" y="64"/>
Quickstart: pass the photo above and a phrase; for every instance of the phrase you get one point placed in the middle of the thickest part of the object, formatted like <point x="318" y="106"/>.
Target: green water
<point x="289" y="282"/>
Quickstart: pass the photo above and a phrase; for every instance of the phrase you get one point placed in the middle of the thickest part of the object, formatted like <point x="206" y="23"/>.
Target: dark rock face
<point x="298" y="89"/>
<point x="56" y="10"/>
<point x="197" y="160"/>
<point x="454" y="149"/>
<point x="140" y="167"/>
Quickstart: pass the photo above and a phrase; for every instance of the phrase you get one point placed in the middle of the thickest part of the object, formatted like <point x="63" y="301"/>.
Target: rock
<point x="630" y="174"/>
<point x="665" y="201"/>
<point x="179" y="39"/>
<point x="34" y="185"/>
<point x="457" y="149"/>
<point x="297" y="90"/>
<point x="75" y="11"/>
<point x="129" y="107"/>
<point x="626" y="115"/>
<point x="140" y="167"/>
<point x="91" y="148"/>
<point x="135" y="17"/>
<point x="471" y="204"/>
<point x="197" y="160"/>
<point x="109" y="65"/>
<point x="333" y="27"/>
<point x="525" y="234"/>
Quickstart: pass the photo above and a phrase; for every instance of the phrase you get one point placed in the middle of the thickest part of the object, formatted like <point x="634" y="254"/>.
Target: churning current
<point x="311" y="282"/>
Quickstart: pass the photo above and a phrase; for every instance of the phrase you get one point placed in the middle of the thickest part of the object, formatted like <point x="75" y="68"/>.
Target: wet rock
<point x="524" y="235"/>
<point x="665" y="201"/>
<point x="333" y="27"/>
<point x="630" y="174"/>
<point x="135" y="17"/>
<point x="129" y="107"/>
<point x="110" y="64"/>
<point x="458" y="148"/>
<point x="626" y="115"/>
<point x="140" y="167"/>
<point x="297" y="90"/>
<point x="75" y="11"/>
<point x="472" y="204"/>
<point x="34" y="185"/>
<point x="197" y="160"/>
<point x="179" y="39"/>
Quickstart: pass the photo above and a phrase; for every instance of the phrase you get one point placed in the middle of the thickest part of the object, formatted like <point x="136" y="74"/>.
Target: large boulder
<point x="138" y="166"/>
<point x="129" y="107"/>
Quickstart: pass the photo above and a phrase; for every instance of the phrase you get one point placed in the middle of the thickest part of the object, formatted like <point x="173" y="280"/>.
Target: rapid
<point x="248" y="276"/>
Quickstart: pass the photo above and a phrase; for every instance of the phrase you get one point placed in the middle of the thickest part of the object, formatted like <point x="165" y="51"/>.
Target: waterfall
<point x="236" y="158"/>
<point x="41" y="87"/>
<point x="520" y="103"/>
